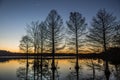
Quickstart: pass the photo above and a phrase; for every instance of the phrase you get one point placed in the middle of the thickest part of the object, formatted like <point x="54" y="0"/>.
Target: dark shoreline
<point x="112" y="58"/>
<point x="112" y="54"/>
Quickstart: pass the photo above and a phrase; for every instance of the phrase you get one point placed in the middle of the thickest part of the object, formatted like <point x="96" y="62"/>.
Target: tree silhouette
<point x="33" y="32"/>
<point x="102" y="29"/>
<point x="76" y="26"/>
<point x="102" y="32"/>
<point x="76" y="29"/>
<point x="42" y="38"/>
<point x="26" y="45"/>
<point x="54" y="24"/>
<point x="42" y="31"/>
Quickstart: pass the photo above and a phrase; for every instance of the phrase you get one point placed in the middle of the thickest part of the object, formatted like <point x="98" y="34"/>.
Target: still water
<point x="89" y="69"/>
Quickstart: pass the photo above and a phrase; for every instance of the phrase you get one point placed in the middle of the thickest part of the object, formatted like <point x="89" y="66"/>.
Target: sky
<point x="16" y="14"/>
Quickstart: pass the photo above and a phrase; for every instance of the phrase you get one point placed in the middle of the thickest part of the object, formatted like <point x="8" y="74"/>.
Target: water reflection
<point x="89" y="69"/>
<point x="107" y="71"/>
<point x="35" y="72"/>
<point x="117" y="72"/>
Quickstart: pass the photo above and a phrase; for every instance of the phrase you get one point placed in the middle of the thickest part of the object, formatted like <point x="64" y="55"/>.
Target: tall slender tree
<point x="55" y="30"/>
<point x="102" y="29"/>
<point x="102" y="32"/>
<point x="26" y="46"/>
<point x="33" y="32"/>
<point x="54" y="34"/>
<point x="76" y="29"/>
<point x="42" y="31"/>
<point x="42" y="38"/>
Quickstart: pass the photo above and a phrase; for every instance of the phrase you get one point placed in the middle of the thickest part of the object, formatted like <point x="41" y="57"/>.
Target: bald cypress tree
<point x="76" y="29"/>
<point x="54" y="26"/>
<point x="102" y="32"/>
<point x="102" y="29"/>
<point x="33" y="32"/>
<point x="26" y="46"/>
<point x="42" y="37"/>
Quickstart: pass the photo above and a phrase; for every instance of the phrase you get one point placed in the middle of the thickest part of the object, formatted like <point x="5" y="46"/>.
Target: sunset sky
<point x="16" y="14"/>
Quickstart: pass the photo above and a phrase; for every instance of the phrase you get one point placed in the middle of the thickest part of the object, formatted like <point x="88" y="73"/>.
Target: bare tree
<point x="102" y="32"/>
<point x="102" y="29"/>
<point x="55" y="31"/>
<point x="26" y="45"/>
<point x="54" y="34"/>
<point x="42" y="38"/>
<point x="42" y="35"/>
<point x="33" y="32"/>
<point x="37" y="33"/>
<point x="76" y="29"/>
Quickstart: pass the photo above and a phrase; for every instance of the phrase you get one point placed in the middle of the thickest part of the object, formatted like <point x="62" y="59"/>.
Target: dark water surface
<point x="89" y="69"/>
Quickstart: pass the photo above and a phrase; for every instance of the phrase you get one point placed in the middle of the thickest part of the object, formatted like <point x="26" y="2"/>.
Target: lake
<point x="89" y="69"/>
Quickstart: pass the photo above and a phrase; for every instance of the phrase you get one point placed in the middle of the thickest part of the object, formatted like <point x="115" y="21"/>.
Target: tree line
<point x="51" y="35"/>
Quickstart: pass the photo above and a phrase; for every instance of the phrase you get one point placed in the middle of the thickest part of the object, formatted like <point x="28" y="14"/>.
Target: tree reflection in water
<point x="94" y="65"/>
<point x="26" y="72"/>
<point x="90" y="69"/>
<point x="74" y="73"/>
<point x="117" y="71"/>
<point x="21" y="73"/>
<point x="107" y="71"/>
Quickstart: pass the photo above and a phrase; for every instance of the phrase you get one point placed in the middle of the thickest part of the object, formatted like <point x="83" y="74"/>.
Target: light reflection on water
<point x="89" y="69"/>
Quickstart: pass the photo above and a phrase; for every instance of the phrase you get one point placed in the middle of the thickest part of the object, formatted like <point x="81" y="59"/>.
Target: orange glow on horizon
<point x="11" y="46"/>
<point x="65" y="50"/>
<point x="11" y="49"/>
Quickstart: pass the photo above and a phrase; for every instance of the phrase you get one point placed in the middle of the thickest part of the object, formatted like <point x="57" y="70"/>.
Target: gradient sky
<point x="16" y="14"/>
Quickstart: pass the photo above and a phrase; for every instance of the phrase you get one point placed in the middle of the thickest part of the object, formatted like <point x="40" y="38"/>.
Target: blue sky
<point x="16" y="14"/>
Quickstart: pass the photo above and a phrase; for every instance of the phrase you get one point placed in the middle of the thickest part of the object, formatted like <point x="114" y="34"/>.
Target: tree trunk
<point x="77" y="64"/>
<point x="53" y="53"/>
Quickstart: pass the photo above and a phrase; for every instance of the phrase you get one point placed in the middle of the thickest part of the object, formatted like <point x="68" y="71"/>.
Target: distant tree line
<point x="51" y="35"/>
